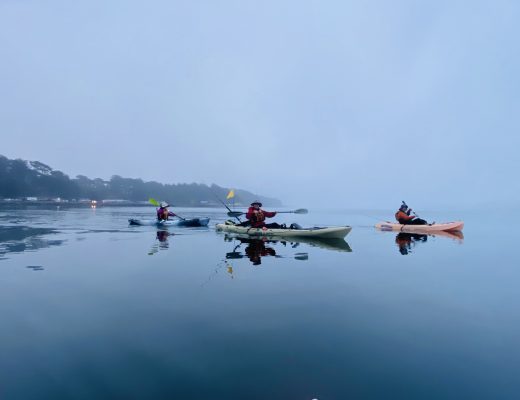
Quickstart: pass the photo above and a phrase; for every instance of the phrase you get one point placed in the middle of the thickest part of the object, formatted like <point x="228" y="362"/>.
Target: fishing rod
<point x="230" y="212"/>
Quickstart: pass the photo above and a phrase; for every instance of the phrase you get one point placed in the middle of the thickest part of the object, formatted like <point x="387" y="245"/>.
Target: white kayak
<point x="430" y="228"/>
<point x="332" y="232"/>
<point x="192" y="222"/>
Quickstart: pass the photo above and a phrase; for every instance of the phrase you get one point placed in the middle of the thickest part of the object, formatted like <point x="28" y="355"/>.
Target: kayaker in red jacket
<point x="403" y="216"/>
<point x="257" y="216"/>
<point x="163" y="213"/>
<point x="257" y="249"/>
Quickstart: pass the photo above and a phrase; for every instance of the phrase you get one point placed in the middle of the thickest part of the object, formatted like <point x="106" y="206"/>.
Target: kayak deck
<point x="334" y="232"/>
<point x="445" y="226"/>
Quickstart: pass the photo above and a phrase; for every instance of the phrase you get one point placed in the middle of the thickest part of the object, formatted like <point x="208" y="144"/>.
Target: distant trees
<point x="19" y="178"/>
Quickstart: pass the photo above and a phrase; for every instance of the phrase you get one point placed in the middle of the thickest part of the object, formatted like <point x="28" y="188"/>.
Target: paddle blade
<point x="234" y="213"/>
<point x="301" y="211"/>
<point x="153" y="202"/>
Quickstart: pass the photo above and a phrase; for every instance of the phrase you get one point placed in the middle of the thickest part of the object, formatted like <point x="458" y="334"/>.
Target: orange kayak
<point x="430" y="228"/>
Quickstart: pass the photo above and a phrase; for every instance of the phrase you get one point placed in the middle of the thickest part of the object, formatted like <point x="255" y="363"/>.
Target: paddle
<point x="404" y="204"/>
<point x="156" y="204"/>
<point x="298" y="211"/>
<point x="230" y="213"/>
<point x="416" y="215"/>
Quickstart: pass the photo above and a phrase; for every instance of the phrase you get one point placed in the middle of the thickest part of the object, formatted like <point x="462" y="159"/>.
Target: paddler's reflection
<point x="406" y="241"/>
<point x="255" y="250"/>
<point x="162" y="239"/>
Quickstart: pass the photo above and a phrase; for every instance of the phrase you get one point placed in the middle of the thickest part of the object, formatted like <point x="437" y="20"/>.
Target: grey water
<point x="92" y="308"/>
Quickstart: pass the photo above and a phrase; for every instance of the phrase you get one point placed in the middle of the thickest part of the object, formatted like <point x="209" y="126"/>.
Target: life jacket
<point x="162" y="213"/>
<point x="401" y="215"/>
<point x="258" y="218"/>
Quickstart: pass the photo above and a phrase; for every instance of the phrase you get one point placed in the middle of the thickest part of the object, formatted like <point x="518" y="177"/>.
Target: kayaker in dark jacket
<point x="257" y="216"/>
<point x="163" y="213"/>
<point x="403" y="216"/>
<point x="405" y="240"/>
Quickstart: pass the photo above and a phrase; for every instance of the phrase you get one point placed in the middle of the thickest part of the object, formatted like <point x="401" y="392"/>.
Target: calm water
<point x="92" y="309"/>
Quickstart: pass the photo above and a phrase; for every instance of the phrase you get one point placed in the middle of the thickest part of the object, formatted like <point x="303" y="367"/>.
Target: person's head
<point x="403" y="207"/>
<point x="256" y="204"/>
<point x="164" y="204"/>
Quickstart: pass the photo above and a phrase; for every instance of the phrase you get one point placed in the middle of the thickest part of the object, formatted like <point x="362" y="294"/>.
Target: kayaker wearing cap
<point x="403" y="216"/>
<point x="257" y="216"/>
<point x="163" y="213"/>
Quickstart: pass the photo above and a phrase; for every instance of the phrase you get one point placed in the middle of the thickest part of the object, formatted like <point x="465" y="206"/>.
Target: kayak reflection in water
<point x="405" y="241"/>
<point x="162" y="238"/>
<point x="163" y="213"/>
<point x="257" y="216"/>
<point x="255" y="250"/>
<point x="403" y="216"/>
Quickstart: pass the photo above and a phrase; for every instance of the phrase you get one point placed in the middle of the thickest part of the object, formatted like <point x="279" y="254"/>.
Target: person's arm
<point x="408" y="217"/>
<point x="405" y="216"/>
<point x="269" y="214"/>
<point x="171" y="214"/>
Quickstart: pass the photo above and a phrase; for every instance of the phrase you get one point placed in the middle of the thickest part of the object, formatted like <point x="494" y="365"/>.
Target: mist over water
<point x="111" y="310"/>
<point x="344" y="104"/>
<point x="344" y="108"/>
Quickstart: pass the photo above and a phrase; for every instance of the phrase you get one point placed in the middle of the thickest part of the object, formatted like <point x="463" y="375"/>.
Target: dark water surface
<point x="94" y="309"/>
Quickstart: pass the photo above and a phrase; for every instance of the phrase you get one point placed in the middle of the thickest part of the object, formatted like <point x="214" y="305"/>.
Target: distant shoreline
<point x="99" y="204"/>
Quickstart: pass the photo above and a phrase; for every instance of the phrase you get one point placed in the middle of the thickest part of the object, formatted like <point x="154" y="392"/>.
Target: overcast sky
<point x="340" y="103"/>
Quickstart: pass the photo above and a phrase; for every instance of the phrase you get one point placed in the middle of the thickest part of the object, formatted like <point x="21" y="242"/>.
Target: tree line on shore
<point x="21" y="179"/>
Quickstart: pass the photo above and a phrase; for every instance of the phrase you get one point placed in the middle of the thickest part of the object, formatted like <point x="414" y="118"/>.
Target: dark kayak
<point x="185" y="223"/>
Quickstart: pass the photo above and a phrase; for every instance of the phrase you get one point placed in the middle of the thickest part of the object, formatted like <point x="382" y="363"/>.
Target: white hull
<point x="445" y="226"/>
<point x="335" y="232"/>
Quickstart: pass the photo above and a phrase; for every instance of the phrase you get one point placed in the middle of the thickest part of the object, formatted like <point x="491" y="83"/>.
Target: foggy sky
<point x="329" y="103"/>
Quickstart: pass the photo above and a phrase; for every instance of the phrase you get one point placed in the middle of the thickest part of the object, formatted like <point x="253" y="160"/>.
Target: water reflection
<point x="161" y="241"/>
<point x="18" y="239"/>
<point x="406" y="242"/>
<point x="256" y="248"/>
<point x="35" y="267"/>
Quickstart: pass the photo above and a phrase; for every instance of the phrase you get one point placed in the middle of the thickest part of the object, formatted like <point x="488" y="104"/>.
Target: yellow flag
<point x="231" y="194"/>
